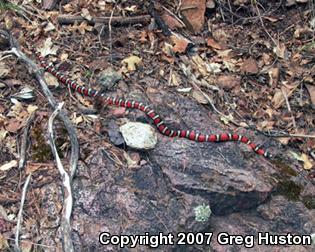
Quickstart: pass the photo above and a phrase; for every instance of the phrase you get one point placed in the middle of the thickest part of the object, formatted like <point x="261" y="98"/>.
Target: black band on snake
<point x="157" y="120"/>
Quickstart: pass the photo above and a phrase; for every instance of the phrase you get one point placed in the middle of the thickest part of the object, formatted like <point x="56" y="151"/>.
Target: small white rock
<point x="139" y="135"/>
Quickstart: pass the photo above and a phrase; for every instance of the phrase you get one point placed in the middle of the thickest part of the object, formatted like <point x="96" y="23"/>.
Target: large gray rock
<point x="139" y="135"/>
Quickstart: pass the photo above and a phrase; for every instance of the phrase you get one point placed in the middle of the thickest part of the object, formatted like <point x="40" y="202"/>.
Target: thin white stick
<point x="20" y="215"/>
<point x="110" y="35"/>
<point x="289" y="107"/>
<point x="66" y="182"/>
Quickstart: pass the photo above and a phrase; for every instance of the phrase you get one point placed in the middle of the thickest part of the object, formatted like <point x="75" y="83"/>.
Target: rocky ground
<point x="211" y="66"/>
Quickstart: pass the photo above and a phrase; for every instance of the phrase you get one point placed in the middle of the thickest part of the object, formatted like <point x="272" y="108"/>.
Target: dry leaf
<point x="265" y="125"/>
<point x="68" y="8"/>
<point x="180" y="44"/>
<point x="86" y="14"/>
<point x="8" y="166"/>
<point x="284" y="140"/>
<point x="214" y="68"/>
<point x="84" y="26"/>
<point x="230" y="64"/>
<point x="266" y="59"/>
<point x="4" y="70"/>
<point x="33" y="167"/>
<point x="77" y="119"/>
<point x="225" y="53"/>
<point x="132" y="62"/>
<point x="167" y="49"/>
<point x="4" y="245"/>
<point x="228" y="81"/>
<point x="26" y="246"/>
<point x="168" y="59"/>
<point x="131" y="8"/>
<point x="132" y="160"/>
<point x="274" y="76"/>
<point x="269" y="112"/>
<point x="143" y="37"/>
<point x="226" y="119"/>
<point x="271" y="19"/>
<point x="250" y="66"/>
<point x="280" y="50"/>
<point x="51" y="80"/>
<point x="193" y="13"/>
<point x="3" y="134"/>
<point x="175" y="80"/>
<point x="31" y="108"/>
<point x="244" y="125"/>
<point x="286" y="89"/>
<point x="87" y="103"/>
<point x="199" y="97"/>
<point x="278" y="98"/>
<point x="307" y="164"/>
<point x="64" y="57"/>
<point x="200" y="65"/>
<point x="49" y="27"/>
<point x="118" y="112"/>
<point x="214" y="44"/>
<point x="171" y="21"/>
<point x="49" y="48"/>
<point x="13" y="125"/>
<point x="16" y="109"/>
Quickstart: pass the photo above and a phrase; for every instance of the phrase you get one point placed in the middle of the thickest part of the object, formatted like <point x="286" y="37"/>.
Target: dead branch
<point x="66" y="181"/>
<point x="19" y="218"/>
<point x="279" y="134"/>
<point x="15" y="50"/>
<point x="67" y="19"/>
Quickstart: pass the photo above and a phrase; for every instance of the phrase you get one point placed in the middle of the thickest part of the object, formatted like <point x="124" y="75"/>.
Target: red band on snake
<point x="157" y="120"/>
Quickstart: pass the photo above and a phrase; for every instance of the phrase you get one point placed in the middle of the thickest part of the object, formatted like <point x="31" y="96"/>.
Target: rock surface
<point x="241" y="188"/>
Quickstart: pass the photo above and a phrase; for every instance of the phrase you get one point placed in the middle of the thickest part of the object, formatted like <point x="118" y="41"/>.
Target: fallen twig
<point x="289" y="107"/>
<point x="110" y="35"/>
<point x="19" y="218"/>
<point x="263" y="25"/>
<point x="173" y="15"/>
<point x="67" y="19"/>
<point x="279" y="134"/>
<point x="66" y="181"/>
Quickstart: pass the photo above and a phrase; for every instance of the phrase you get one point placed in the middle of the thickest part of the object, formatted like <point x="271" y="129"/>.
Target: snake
<point x="152" y="114"/>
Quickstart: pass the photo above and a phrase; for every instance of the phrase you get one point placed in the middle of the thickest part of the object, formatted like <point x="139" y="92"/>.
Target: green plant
<point x="202" y="213"/>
